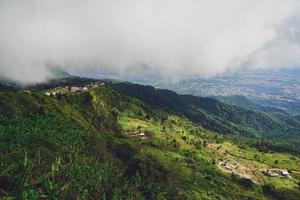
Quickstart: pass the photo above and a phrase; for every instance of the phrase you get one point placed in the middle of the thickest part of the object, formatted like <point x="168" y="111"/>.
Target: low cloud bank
<point x="170" y="38"/>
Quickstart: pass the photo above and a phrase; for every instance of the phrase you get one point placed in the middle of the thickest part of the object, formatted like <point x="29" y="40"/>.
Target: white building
<point x="285" y="173"/>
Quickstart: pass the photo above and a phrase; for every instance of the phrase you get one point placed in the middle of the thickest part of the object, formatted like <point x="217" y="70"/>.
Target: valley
<point x="270" y="88"/>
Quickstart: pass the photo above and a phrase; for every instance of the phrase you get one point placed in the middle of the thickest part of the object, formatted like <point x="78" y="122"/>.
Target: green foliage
<point x="85" y="146"/>
<point x="279" y="131"/>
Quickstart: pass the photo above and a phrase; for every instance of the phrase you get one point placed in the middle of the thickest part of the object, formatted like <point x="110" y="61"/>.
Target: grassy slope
<point x="80" y="146"/>
<point x="220" y="117"/>
<point x="183" y="132"/>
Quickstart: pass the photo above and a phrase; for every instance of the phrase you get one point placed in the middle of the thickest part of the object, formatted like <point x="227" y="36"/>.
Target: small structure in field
<point x="285" y="173"/>
<point x="141" y="134"/>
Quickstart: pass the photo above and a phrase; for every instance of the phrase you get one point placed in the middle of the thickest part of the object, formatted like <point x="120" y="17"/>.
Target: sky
<point x="170" y="38"/>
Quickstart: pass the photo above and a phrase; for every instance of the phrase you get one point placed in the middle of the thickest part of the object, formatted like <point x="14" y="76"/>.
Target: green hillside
<point x="221" y="117"/>
<point x="101" y="144"/>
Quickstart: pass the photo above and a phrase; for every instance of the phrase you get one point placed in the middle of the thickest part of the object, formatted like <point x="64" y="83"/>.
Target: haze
<point x="171" y="38"/>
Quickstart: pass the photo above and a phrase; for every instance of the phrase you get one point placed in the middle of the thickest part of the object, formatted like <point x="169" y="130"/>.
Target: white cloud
<point x="174" y="38"/>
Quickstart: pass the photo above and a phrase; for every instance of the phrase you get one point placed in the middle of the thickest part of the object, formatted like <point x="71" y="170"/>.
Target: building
<point x="285" y="173"/>
<point x="141" y="134"/>
<point x="78" y="89"/>
<point x="85" y="89"/>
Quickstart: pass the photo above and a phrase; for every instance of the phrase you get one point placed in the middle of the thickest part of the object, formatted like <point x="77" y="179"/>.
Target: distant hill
<point x="291" y="107"/>
<point x="271" y="89"/>
<point x="67" y="81"/>
<point x="6" y="86"/>
<point x="244" y="102"/>
<point x="59" y="74"/>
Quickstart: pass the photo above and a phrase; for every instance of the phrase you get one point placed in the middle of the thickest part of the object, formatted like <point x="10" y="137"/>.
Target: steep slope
<point x="220" y="117"/>
<point x="69" y="147"/>
<point x="103" y="145"/>
<point x="72" y="146"/>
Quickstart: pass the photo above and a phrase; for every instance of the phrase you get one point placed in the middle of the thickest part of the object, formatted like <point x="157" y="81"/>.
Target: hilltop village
<point x="74" y="89"/>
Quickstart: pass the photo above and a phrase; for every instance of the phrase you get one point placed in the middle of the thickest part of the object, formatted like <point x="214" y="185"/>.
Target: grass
<point x="179" y="128"/>
<point x="82" y="147"/>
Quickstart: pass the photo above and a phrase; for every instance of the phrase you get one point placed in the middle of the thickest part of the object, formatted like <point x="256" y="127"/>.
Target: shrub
<point x="123" y="151"/>
<point x="247" y="183"/>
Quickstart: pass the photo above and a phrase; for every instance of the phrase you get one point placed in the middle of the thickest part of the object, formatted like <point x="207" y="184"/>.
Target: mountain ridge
<point x="214" y="115"/>
<point x="100" y="143"/>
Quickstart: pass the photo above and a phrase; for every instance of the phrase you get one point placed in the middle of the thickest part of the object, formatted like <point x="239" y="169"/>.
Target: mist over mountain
<point x="150" y="99"/>
<point x="171" y="39"/>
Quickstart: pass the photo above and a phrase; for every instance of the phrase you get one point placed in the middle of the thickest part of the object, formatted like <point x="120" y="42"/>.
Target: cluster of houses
<point x="75" y="89"/>
<point x="271" y="173"/>
<point x="232" y="167"/>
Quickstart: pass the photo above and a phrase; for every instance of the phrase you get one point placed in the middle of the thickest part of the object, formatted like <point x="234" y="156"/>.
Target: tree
<point x="247" y="183"/>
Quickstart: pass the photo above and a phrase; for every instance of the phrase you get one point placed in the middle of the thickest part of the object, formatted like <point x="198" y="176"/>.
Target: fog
<point x="171" y="38"/>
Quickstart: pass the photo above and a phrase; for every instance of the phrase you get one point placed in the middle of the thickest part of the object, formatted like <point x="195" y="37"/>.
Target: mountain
<point x="239" y="100"/>
<point x="217" y="116"/>
<point x="277" y="88"/>
<point x="59" y="74"/>
<point x="6" y="86"/>
<point x="244" y="102"/>
<point x="289" y="106"/>
<point x="105" y="144"/>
